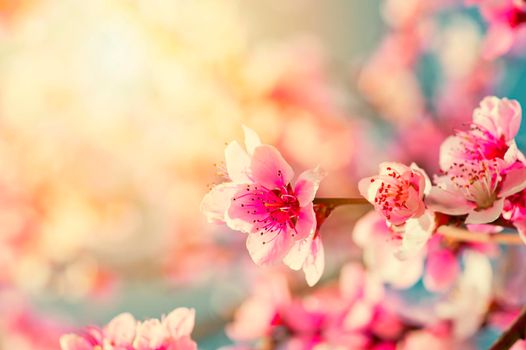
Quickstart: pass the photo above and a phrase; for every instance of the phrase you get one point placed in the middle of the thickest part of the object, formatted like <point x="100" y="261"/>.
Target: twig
<point x="460" y="234"/>
<point x="516" y="332"/>
<point x="335" y="202"/>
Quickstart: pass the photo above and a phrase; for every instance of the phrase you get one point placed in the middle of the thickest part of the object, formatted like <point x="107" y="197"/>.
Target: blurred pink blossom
<point x="124" y="332"/>
<point x="506" y="20"/>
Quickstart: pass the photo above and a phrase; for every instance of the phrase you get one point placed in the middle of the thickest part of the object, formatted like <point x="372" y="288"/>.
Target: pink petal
<point x="368" y="188"/>
<point x="388" y="167"/>
<point x="237" y="163"/>
<point x="499" y="40"/>
<point x="268" y="247"/>
<point x="239" y="216"/>
<point x="512" y="154"/>
<point x="484" y="216"/>
<point x="121" y="330"/>
<point x="252" y="320"/>
<point x="216" y="202"/>
<point x="359" y="316"/>
<point x="251" y="139"/>
<point x="425" y="183"/>
<point x="180" y="322"/>
<point x="448" y="202"/>
<point x="510" y="114"/>
<point x="417" y="232"/>
<point x="74" y="342"/>
<point x="298" y="253"/>
<point x="450" y="152"/>
<point x="306" y="223"/>
<point x="442" y="270"/>
<point x="307" y="185"/>
<point x="514" y="181"/>
<point x="269" y="168"/>
<point x="315" y="263"/>
<point x="150" y="335"/>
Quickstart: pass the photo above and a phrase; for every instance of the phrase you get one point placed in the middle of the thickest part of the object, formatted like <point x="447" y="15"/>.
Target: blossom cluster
<point x="125" y="333"/>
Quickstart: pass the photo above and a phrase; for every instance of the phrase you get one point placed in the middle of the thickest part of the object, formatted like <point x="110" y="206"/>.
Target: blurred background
<point x="114" y="116"/>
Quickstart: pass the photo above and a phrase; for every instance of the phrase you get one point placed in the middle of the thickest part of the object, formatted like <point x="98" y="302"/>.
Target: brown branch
<point x="460" y="234"/>
<point x="335" y="202"/>
<point x="516" y="332"/>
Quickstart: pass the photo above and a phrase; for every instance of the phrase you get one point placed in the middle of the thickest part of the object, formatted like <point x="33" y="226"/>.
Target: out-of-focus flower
<point x="260" y="200"/>
<point x="377" y="240"/>
<point x="124" y="332"/>
<point x="515" y="211"/>
<point x="425" y="339"/>
<point x="398" y="194"/>
<point x="506" y="24"/>
<point x="467" y="304"/>
<point x="399" y="99"/>
<point x="437" y="265"/>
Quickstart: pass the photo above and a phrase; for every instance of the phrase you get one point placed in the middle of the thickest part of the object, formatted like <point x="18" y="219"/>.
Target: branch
<point x="335" y="202"/>
<point x="479" y="237"/>
<point x="516" y="332"/>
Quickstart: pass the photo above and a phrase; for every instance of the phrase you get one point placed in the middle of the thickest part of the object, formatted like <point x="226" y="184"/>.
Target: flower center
<point x="479" y="144"/>
<point x="516" y="17"/>
<point x="393" y="192"/>
<point x="274" y="210"/>
<point x="477" y="180"/>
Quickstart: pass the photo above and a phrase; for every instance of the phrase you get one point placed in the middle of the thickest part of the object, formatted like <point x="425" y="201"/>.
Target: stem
<point x="516" y="332"/>
<point x="479" y="237"/>
<point x="335" y="202"/>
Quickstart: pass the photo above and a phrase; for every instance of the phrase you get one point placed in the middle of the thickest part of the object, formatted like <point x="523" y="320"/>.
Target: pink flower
<point x="481" y="166"/>
<point x="125" y="333"/>
<point x="260" y="200"/>
<point x="398" y="194"/>
<point x="476" y="188"/>
<point x="495" y="125"/>
<point x="424" y="339"/>
<point x="506" y="23"/>
<point x="379" y="245"/>
<point x="515" y="211"/>
<point x="380" y="251"/>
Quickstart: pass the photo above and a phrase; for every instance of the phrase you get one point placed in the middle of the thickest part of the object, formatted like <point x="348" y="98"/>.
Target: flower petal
<point x="483" y="216"/>
<point x="74" y="342"/>
<point x="216" y="202"/>
<point x="514" y="181"/>
<point x="442" y="270"/>
<point x="368" y="187"/>
<point x="315" y="263"/>
<point x="425" y="186"/>
<point x="298" y="253"/>
<point x="448" y="202"/>
<point x="388" y="167"/>
<point x="180" y="322"/>
<point x="237" y="163"/>
<point x="498" y="41"/>
<point x="307" y="185"/>
<point x="121" y="330"/>
<point x="451" y="152"/>
<point x="268" y="247"/>
<point x="269" y="168"/>
<point x="306" y="223"/>
<point x="251" y="139"/>
<point x="417" y="232"/>
<point x="241" y="214"/>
